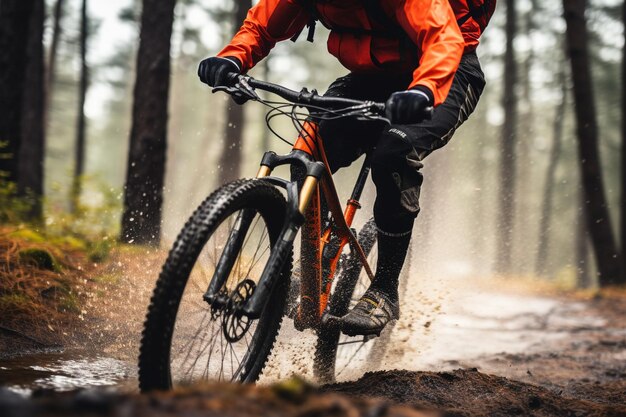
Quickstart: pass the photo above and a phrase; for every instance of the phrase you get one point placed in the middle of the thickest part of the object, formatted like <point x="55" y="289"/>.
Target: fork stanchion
<point x="264" y="171"/>
<point x="308" y="188"/>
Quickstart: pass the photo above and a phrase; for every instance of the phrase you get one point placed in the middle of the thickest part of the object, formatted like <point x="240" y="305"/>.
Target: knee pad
<point x="396" y="172"/>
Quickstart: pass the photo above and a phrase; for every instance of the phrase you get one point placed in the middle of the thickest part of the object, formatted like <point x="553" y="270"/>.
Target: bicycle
<point x="218" y="303"/>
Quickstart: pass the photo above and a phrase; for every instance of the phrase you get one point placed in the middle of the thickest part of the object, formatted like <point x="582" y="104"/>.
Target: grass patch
<point x="39" y="258"/>
<point x="42" y="283"/>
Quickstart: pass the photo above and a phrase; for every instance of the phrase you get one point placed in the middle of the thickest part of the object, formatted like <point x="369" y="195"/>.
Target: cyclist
<point x="415" y="54"/>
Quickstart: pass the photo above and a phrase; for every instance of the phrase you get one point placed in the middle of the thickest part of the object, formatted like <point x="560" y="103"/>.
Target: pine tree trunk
<point x="596" y="212"/>
<point x="30" y="181"/>
<point x="522" y="257"/>
<point x="230" y="159"/>
<point x="15" y="18"/>
<point x="52" y="57"/>
<point x="583" y="275"/>
<point x="555" y="153"/>
<point x="508" y="140"/>
<point x="143" y="197"/>
<point x="81" y="122"/>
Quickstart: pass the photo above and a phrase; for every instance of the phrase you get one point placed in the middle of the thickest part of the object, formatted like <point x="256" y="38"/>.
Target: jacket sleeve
<point x="268" y="22"/>
<point x="432" y="26"/>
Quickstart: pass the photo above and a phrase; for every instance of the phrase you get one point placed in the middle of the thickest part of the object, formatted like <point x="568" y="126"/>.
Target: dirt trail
<point x="560" y="356"/>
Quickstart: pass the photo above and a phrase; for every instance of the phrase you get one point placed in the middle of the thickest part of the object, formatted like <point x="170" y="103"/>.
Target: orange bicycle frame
<point x="315" y="285"/>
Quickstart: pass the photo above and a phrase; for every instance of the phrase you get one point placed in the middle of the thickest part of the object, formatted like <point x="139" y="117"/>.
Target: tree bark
<point x="81" y="121"/>
<point x="596" y="212"/>
<point x="509" y="137"/>
<point x="230" y="159"/>
<point x="143" y="197"/>
<point x="15" y="19"/>
<point x="555" y="153"/>
<point x="30" y="181"/>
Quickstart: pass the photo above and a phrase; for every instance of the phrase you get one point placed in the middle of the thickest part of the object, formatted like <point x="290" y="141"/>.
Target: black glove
<point x="410" y="106"/>
<point x="216" y="71"/>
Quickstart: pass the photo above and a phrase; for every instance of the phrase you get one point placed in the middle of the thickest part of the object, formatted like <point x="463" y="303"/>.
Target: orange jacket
<point x="430" y="25"/>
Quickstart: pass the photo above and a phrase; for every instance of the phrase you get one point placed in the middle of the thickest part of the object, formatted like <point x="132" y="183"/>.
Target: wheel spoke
<point x="180" y="343"/>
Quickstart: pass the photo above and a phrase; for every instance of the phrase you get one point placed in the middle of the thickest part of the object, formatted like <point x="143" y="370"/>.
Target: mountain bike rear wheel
<point x="185" y="339"/>
<point x="335" y="353"/>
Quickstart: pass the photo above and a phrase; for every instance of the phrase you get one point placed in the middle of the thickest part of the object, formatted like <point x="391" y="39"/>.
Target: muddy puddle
<point x="65" y="371"/>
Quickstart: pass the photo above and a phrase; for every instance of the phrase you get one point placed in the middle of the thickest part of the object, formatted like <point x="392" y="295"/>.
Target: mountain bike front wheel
<point x="186" y="339"/>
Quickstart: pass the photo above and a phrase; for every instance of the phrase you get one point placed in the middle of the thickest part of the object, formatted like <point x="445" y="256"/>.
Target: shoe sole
<point x="371" y="334"/>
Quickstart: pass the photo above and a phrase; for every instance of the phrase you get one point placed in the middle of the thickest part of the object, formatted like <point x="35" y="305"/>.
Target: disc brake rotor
<point x="235" y="324"/>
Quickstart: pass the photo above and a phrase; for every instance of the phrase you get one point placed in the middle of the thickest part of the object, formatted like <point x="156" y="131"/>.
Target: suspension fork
<point x="228" y="257"/>
<point x="298" y="205"/>
<point x="234" y="243"/>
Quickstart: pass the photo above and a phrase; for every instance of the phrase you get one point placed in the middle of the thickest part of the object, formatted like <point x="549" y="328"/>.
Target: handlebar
<point x="245" y="86"/>
<point x="306" y="97"/>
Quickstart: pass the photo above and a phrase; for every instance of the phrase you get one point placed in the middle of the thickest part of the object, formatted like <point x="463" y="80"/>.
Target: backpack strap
<point x="309" y="6"/>
<point x="474" y="12"/>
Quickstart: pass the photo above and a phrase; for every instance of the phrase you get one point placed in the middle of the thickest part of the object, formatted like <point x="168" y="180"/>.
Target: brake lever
<point x="241" y="89"/>
<point x="225" y="89"/>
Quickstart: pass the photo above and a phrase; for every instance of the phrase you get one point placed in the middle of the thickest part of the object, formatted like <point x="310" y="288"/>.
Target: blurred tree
<point x="230" y="159"/>
<point x="54" y="48"/>
<point x="523" y="155"/>
<point x="596" y="212"/>
<point x="30" y="178"/>
<point x="583" y="277"/>
<point x="21" y="97"/>
<point x="79" y="151"/>
<point x="15" y="16"/>
<point x="143" y="196"/>
<point x="548" y="194"/>
<point x="508" y="139"/>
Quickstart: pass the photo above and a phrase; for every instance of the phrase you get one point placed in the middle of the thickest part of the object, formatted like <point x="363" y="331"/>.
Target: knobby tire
<point x="156" y="341"/>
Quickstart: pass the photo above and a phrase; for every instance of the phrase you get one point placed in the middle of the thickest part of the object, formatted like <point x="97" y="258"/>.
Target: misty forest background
<point x="107" y="133"/>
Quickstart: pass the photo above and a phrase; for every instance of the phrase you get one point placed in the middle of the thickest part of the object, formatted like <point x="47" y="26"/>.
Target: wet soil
<point x="460" y="348"/>
<point x="392" y="393"/>
<point x="571" y="361"/>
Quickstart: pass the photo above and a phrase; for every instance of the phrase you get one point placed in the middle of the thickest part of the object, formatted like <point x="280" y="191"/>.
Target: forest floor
<point x="479" y="347"/>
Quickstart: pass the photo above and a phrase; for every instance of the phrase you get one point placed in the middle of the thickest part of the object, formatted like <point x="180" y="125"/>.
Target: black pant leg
<point x="396" y="161"/>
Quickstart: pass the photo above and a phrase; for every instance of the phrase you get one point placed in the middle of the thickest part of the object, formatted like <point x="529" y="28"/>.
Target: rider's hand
<point x="410" y="106"/>
<point x="216" y="71"/>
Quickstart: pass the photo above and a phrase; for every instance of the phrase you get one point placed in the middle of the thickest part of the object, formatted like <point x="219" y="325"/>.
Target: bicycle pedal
<point x="369" y="337"/>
